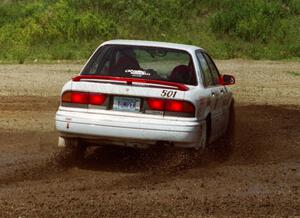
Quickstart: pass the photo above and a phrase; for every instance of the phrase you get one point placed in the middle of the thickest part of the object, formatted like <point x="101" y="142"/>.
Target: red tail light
<point x="79" y="98"/>
<point x="97" y="99"/>
<point x="179" y="106"/>
<point x="83" y="98"/>
<point x="66" y="97"/>
<point x="156" y="104"/>
<point x="170" y="105"/>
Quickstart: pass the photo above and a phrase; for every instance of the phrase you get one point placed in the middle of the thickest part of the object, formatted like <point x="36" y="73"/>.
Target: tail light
<point x="179" y="106"/>
<point x="171" y="107"/>
<point x="156" y="104"/>
<point x="83" y="98"/>
<point x="97" y="99"/>
<point x="79" y="98"/>
<point x="151" y="105"/>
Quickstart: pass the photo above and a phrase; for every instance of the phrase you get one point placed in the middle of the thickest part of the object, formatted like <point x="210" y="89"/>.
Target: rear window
<point x="153" y="63"/>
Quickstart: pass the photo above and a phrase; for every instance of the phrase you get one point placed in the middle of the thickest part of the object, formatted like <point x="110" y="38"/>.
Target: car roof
<point x="189" y="48"/>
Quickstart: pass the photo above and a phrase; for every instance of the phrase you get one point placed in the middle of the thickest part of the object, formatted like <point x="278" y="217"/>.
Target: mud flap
<point x="61" y="142"/>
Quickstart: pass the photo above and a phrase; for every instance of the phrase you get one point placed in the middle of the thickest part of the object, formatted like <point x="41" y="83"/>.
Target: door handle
<point x="213" y="93"/>
<point x="222" y="91"/>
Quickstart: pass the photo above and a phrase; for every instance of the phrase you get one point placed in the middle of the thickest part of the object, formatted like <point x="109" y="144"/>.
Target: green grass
<point x="292" y="73"/>
<point x="72" y="29"/>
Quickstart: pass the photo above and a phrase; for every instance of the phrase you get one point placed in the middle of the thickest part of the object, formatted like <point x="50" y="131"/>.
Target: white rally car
<point x="143" y="93"/>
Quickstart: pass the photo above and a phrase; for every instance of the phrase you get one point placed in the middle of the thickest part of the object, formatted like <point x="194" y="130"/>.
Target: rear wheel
<point x="73" y="152"/>
<point x="230" y="128"/>
<point x="76" y="148"/>
<point x="203" y="136"/>
<point x="224" y="146"/>
<point x="191" y="157"/>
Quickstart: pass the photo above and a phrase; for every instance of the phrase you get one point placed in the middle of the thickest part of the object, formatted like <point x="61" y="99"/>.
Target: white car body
<point x="96" y="125"/>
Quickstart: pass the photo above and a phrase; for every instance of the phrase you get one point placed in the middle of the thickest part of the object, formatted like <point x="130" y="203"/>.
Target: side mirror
<point x="226" y="80"/>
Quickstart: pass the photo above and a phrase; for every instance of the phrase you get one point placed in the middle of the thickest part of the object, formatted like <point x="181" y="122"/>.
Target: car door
<point x="211" y="93"/>
<point x="220" y="92"/>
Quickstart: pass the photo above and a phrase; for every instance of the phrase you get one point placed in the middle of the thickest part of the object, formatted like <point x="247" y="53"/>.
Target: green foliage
<point x="71" y="29"/>
<point x="268" y="24"/>
<point x="252" y="20"/>
<point x="293" y="73"/>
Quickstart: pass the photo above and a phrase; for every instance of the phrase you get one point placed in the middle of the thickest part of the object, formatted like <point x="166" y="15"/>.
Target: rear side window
<point x="213" y="69"/>
<point x="205" y="70"/>
<point x="153" y="63"/>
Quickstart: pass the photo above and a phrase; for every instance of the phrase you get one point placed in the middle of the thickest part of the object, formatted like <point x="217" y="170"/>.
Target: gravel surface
<point x="258" y="175"/>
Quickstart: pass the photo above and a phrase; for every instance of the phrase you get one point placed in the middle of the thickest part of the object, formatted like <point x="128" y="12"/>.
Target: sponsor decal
<point x="137" y="73"/>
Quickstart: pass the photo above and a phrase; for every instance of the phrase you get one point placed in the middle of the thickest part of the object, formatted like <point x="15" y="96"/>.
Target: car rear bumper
<point x="124" y="127"/>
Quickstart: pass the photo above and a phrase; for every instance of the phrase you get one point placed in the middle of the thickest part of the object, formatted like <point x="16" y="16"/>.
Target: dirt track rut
<point x="259" y="175"/>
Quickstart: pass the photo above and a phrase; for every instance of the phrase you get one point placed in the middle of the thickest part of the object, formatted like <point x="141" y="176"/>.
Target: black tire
<point x="191" y="157"/>
<point x="229" y="135"/>
<point x="208" y="130"/>
<point x="72" y="154"/>
<point x="224" y="146"/>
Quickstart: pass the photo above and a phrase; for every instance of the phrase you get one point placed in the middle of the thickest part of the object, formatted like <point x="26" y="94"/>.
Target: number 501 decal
<point x="169" y="94"/>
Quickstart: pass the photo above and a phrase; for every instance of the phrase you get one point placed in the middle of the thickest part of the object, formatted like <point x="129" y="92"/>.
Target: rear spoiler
<point x="129" y="81"/>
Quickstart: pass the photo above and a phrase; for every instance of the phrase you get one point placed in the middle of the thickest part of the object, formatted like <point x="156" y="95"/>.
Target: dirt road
<point x="259" y="175"/>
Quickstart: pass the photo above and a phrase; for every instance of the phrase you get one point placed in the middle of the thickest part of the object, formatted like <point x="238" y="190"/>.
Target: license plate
<point x="126" y="104"/>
